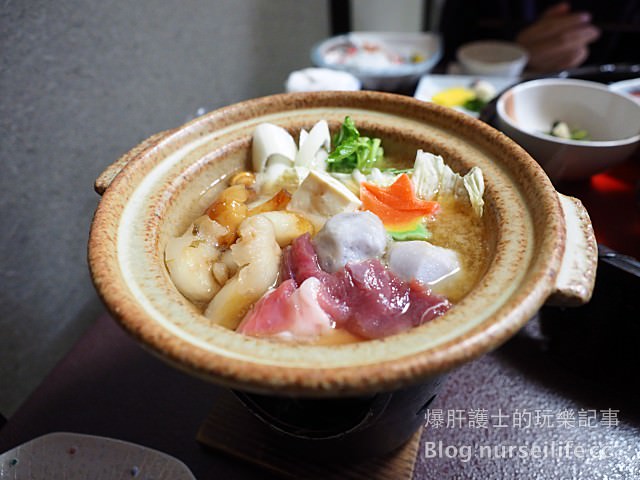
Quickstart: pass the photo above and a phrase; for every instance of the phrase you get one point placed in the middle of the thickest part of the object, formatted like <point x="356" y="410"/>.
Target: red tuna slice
<point x="289" y="313"/>
<point x="366" y="298"/>
<point x="382" y="304"/>
<point x="300" y="262"/>
<point x="425" y="305"/>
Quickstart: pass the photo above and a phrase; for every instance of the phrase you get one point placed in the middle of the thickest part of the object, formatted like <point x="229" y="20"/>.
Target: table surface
<point x="567" y="407"/>
<point x="109" y="386"/>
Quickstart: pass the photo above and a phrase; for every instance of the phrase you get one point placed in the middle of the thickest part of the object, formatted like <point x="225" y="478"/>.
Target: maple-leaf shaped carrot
<point x="397" y="203"/>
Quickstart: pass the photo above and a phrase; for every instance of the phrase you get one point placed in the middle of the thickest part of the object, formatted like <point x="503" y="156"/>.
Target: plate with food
<point x="331" y="242"/>
<point x="466" y="93"/>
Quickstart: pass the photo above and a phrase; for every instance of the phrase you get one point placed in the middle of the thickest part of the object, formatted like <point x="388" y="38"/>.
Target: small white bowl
<point x="376" y="75"/>
<point x="321" y="79"/>
<point x="492" y="57"/>
<point x="527" y="111"/>
<point x="629" y="87"/>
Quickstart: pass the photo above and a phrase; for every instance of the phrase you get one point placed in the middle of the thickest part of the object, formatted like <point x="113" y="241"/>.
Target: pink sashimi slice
<point x="300" y="262"/>
<point x="288" y="313"/>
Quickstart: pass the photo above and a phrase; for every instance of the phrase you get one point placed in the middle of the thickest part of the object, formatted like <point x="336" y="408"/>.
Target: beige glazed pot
<point x="542" y="246"/>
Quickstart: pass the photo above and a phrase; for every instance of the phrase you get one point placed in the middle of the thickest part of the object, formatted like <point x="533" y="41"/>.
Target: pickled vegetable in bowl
<point x="329" y="240"/>
<point x="561" y="129"/>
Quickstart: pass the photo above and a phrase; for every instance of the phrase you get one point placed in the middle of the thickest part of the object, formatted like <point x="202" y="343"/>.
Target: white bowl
<point x="492" y="57"/>
<point x="528" y="110"/>
<point x="321" y="79"/>
<point x="629" y="87"/>
<point x="376" y="76"/>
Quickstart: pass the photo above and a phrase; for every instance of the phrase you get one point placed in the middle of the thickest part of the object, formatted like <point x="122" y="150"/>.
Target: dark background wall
<point x="81" y="82"/>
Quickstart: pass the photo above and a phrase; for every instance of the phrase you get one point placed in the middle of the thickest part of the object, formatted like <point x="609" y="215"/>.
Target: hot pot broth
<point x="278" y="253"/>
<point x="457" y="228"/>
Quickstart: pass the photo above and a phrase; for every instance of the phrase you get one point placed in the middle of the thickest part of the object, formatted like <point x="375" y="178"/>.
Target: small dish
<point x="321" y="79"/>
<point x="389" y="61"/>
<point x="607" y="74"/>
<point x="528" y="110"/>
<point x="432" y="84"/>
<point x="629" y="87"/>
<point x="492" y="57"/>
<point x="76" y="456"/>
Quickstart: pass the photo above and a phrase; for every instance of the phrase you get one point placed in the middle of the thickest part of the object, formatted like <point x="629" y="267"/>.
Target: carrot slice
<point x="386" y="213"/>
<point x="400" y="196"/>
<point x="397" y="203"/>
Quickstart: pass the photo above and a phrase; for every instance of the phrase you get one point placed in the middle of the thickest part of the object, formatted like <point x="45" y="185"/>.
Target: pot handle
<point x="106" y="177"/>
<point x="577" y="275"/>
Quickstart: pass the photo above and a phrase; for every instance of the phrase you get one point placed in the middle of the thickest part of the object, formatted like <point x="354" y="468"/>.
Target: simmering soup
<point x="326" y="241"/>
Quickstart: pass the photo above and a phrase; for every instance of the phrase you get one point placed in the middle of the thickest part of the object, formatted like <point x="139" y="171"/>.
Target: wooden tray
<point x="230" y="428"/>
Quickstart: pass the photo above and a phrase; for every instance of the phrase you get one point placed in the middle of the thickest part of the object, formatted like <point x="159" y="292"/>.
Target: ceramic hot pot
<point x="367" y="397"/>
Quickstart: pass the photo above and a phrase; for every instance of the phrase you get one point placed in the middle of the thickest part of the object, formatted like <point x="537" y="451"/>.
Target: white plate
<point x="73" y="457"/>
<point x="430" y="85"/>
<point x="628" y="87"/>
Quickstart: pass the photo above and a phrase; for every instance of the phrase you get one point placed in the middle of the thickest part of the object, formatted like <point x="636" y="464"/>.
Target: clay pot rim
<point x="359" y="377"/>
